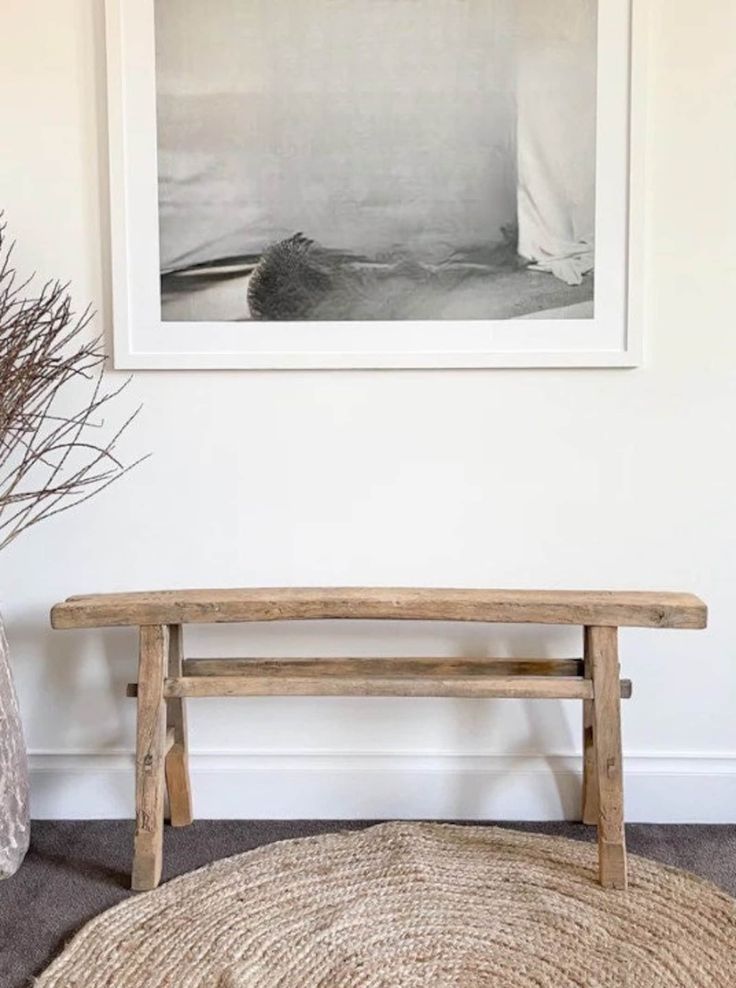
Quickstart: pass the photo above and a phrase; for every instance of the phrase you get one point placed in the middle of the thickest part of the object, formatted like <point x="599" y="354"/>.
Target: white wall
<point x="523" y="478"/>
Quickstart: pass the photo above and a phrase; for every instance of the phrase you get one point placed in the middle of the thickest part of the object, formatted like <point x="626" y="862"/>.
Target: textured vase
<point x="15" y="824"/>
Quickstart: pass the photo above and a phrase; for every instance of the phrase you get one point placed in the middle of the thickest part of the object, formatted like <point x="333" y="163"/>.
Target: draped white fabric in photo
<point x="557" y="135"/>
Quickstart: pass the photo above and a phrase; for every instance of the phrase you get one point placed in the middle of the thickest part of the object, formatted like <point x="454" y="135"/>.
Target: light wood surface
<point x="302" y="682"/>
<point x="603" y="652"/>
<point x="384" y="665"/>
<point x="590" y="780"/>
<point x="522" y="687"/>
<point x="149" y="758"/>
<point x="610" y="608"/>
<point x="177" y="761"/>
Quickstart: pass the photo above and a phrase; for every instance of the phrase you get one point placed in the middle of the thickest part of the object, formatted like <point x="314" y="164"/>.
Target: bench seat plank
<point x="642" y="609"/>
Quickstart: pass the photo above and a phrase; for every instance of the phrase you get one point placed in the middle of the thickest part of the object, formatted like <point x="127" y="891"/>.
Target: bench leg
<point x="149" y="758"/>
<point x="603" y="649"/>
<point x="590" y="776"/>
<point x="177" y="758"/>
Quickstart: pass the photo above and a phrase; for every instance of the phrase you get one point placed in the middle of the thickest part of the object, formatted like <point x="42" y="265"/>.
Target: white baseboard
<point x="660" y="788"/>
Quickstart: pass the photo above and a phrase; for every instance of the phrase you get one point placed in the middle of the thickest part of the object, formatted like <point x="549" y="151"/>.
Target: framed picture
<point x="376" y="183"/>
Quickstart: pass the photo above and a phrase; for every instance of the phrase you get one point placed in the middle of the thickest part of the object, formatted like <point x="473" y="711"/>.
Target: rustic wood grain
<point x="303" y="683"/>
<point x="169" y="740"/>
<point x="605" y="608"/>
<point x="590" y="780"/>
<point x="177" y="757"/>
<point x="149" y="758"/>
<point x="383" y="665"/>
<point x="522" y="687"/>
<point x="603" y="651"/>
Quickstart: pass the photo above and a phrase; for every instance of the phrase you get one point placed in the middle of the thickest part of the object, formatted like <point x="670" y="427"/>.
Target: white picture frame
<point x="612" y="338"/>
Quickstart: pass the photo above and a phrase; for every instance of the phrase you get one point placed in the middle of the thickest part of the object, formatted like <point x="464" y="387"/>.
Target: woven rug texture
<point x="411" y="905"/>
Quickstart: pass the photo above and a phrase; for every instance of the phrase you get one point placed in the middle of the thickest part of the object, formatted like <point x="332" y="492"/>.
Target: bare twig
<point x="51" y="459"/>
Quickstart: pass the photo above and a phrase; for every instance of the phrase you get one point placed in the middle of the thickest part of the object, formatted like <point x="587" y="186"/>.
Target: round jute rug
<point x="411" y="905"/>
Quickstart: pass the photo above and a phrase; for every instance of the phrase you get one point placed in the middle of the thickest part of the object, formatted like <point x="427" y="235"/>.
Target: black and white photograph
<point x="316" y="184"/>
<point x="376" y="160"/>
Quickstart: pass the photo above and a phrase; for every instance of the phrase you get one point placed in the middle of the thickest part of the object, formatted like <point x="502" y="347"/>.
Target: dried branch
<point x="51" y="459"/>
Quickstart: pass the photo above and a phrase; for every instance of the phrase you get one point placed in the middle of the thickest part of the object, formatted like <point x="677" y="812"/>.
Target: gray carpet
<point x="76" y="869"/>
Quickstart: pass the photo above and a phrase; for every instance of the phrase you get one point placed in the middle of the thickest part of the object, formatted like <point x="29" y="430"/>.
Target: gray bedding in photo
<point x="368" y="125"/>
<point x="408" y="132"/>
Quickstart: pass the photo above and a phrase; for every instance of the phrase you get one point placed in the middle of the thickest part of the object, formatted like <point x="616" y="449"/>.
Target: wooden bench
<point x="166" y="678"/>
